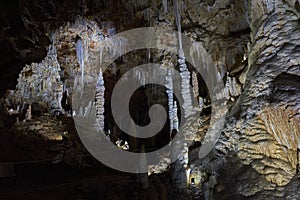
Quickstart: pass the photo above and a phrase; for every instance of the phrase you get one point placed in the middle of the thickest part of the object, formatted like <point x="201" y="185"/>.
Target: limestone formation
<point x="231" y="90"/>
<point x="169" y="86"/>
<point x="195" y="85"/>
<point x="28" y="115"/>
<point x="41" y="83"/>
<point x="254" y="45"/>
<point x="269" y="143"/>
<point x="100" y="89"/>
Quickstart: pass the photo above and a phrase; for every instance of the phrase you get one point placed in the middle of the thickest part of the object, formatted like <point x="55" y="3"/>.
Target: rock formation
<point x="255" y="49"/>
<point x="99" y="103"/>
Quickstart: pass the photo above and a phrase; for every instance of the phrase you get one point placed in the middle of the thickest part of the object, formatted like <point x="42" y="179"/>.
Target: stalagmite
<point x="183" y="156"/>
<point x="87" y="109"/>
<point x="184" y="72"/>
<point x="169" y="86"/>
<point x="80" y="111"/>
<point x="231" y="90"/>
<point x="28" y="115"/>
<point x="100" y="89"/>
<point x="195" y="85"/>
<point x="185" y="88"/>
<point x="201" y="103"/>
<point x="175" y="117"/>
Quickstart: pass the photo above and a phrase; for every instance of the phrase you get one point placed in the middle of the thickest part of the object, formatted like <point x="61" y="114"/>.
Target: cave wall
<point x="255" y="43"/>
<point x="263" y="124"/>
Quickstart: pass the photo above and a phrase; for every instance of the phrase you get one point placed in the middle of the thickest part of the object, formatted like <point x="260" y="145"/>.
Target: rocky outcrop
<point x="263" y="124"/>
<point x="270" y="144"/>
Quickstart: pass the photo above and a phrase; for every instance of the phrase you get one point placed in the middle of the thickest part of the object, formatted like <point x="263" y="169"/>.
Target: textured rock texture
<point x="40" y="83"/>
<point x="254" y="45"/>
<point x="263" y="124"/>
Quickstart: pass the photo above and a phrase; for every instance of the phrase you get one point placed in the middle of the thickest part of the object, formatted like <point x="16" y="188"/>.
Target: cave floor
<point x="60" y="181"/>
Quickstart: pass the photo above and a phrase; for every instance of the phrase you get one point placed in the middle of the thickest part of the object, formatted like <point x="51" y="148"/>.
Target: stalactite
<point x="195" y="51"/>
<point x="100" y="89"/>
<point x="165" y="4"/>
<point x="178" y="23"/>
<point x="80" y="57"/>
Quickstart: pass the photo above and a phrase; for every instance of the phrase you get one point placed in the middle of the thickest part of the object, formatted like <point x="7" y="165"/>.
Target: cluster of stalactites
<point x="231" y="90"/>
<point x="93" y="39"/>
<point x="40" y="82"/>
<point x="86" y="46"/>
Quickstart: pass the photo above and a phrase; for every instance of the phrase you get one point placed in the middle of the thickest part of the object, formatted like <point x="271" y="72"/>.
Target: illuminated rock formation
<point x="41" y="83"/>
<point x="100" y="89"/>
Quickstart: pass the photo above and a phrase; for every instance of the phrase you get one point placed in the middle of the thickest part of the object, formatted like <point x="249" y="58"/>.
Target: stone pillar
<point x="28" y="115"/>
